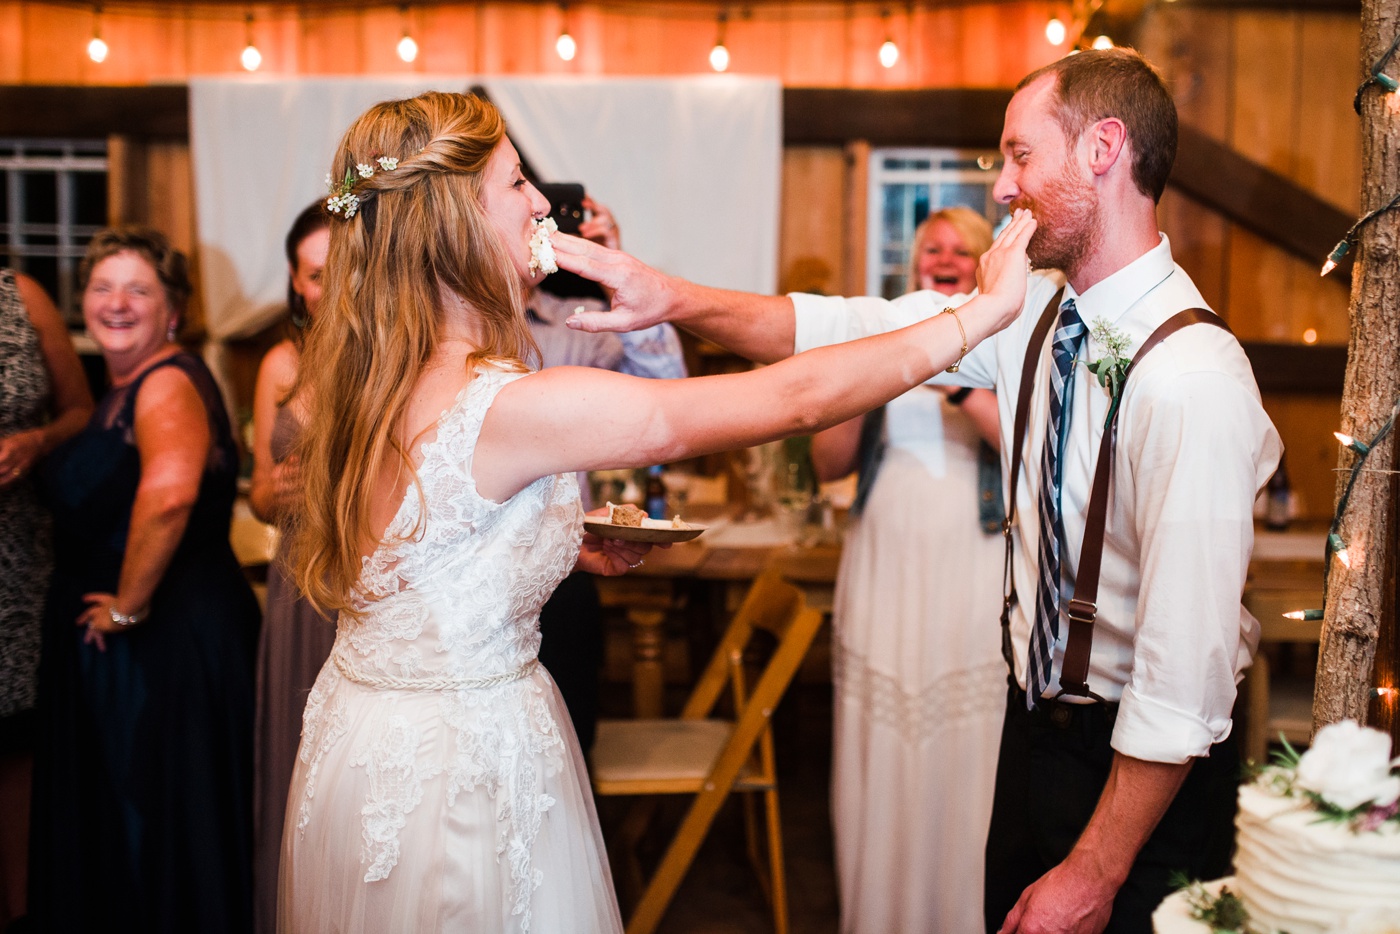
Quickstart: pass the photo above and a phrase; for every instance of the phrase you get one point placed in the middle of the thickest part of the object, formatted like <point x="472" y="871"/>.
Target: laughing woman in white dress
<point x="920" y="686"/>
<point x="439" y="786"/>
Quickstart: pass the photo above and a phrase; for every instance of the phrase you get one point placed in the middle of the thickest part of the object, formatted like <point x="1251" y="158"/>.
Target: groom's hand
<point x="1063" y="901"/>
<point x="640" y="296"/>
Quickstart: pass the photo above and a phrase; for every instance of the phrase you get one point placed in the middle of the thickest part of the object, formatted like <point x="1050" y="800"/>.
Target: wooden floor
<point x="720" y="895"/>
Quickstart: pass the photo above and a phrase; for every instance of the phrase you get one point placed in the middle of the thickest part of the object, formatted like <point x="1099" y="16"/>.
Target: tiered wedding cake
<point x="1318" y="849"/>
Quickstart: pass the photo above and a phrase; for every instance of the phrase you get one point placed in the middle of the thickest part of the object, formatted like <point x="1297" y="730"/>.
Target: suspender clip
<point x="1082" y="611"/>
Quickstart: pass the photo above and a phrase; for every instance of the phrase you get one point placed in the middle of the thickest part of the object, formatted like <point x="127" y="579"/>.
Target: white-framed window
<point x="906" y="185"/>
<point x="53" y="198"/>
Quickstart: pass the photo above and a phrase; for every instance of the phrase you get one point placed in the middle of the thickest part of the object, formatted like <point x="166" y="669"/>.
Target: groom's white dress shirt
<point x="1194" y="447"/>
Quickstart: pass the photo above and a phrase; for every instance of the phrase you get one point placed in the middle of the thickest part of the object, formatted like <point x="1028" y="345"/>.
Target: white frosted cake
<point x="1318" y="845"/>
<point x="542" y="248"/>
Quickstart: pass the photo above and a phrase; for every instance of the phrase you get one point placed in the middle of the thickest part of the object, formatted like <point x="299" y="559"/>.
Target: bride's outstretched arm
<point x="567" y="418"/>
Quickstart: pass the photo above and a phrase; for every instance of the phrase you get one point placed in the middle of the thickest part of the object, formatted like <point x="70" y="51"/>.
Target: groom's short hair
<point x="1099" y="83"/>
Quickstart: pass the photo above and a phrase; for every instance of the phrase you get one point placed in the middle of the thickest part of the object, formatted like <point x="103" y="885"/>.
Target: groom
<point x="1098" y="801"/>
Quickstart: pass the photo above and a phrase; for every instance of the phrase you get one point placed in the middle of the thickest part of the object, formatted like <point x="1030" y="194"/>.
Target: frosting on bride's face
<point x="512" y="204"/>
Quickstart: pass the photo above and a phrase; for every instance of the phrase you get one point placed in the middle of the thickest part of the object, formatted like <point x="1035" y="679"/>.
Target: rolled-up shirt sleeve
<point x="1200" y="449"/>
<point x="822" y="320"/>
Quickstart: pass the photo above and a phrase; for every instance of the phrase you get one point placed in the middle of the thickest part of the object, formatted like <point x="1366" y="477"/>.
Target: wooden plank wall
<point x="809" y="44"/>
<point x="1277" y="87"/>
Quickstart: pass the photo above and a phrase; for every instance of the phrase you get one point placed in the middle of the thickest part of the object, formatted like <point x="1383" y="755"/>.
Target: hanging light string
<point x="1343" y="245"/>
<point x="1335" y="545"/>
<point x="1378" y="76"/>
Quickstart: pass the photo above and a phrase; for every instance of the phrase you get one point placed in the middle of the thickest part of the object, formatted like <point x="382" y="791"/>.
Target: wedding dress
<point x="439" y="785"/>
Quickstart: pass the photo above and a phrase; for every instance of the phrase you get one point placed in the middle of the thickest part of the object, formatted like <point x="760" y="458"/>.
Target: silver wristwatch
<point x="123" y="619"/>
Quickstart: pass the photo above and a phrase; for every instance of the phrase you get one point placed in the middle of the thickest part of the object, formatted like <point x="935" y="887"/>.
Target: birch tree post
<point x="1360" y="598"/>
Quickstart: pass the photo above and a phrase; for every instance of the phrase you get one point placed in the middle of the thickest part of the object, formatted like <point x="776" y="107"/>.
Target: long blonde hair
<point x="419" y="229"/>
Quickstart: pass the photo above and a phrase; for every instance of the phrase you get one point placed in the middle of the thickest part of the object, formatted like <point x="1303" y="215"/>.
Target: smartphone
<point x="566" y="204"/>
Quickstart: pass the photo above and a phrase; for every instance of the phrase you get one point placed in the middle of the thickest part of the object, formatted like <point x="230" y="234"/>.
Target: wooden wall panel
<point x="810" y="255"/>
<point x="814" y="50"/>
<point x="1306" y="423"/>
<point x="1329" y="133"/>
<point x="1199" y="239"/>
<point x="447" y="39"/>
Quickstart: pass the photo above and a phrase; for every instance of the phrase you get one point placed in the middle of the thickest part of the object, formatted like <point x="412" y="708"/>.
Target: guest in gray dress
<point x="44" y="400"/>
<point x="295" y="638"/>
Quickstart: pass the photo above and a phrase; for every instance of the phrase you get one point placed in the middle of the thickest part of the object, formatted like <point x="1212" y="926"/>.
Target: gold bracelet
<point x="957" y="363"/>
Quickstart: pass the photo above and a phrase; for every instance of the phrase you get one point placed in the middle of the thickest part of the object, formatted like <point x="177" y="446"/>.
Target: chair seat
<point x="656" y="756"/>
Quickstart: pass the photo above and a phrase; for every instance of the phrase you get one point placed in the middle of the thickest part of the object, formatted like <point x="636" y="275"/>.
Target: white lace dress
<point x="439" y="786"/>
<point x="920" y="686"/>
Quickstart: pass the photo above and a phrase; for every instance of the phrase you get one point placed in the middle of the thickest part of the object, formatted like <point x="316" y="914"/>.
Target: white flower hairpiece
<point x="343" y="199"/>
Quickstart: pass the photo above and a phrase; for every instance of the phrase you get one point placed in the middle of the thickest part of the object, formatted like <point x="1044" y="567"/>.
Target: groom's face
<point x="1042" y="172"/>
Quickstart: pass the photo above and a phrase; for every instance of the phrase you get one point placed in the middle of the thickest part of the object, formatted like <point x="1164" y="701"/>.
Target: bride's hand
<point x="609" y="557"/>
<point x="1001" y="273"/>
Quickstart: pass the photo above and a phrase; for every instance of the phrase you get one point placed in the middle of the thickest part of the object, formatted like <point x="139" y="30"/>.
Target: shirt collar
<point x="543" y="307"/>
<point x="1111" y="298"/>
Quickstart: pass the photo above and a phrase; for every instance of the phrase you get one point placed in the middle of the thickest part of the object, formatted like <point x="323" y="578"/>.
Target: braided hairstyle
<point x="418" y="230"/>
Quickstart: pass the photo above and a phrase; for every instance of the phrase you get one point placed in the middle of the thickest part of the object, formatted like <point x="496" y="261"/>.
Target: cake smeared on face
<point x="541" y="248"/>
<point x="625" y="514"/>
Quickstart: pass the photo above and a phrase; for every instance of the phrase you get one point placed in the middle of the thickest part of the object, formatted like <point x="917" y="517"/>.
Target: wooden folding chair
<point x="696" y="754"/>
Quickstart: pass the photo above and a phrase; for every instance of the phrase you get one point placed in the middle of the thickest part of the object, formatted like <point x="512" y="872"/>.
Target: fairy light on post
<point x="96" y="47"/>
<point x="251" y="57"/>
<point x="565" y="45"/>
<point x="719" y="55"/>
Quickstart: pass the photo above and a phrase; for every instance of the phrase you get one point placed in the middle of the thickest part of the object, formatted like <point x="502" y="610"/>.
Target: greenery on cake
<point x="1222" y="910"/>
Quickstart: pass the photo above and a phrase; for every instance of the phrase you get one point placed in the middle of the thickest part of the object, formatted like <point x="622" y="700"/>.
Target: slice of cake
<point x="542" y="248"/>
<point x="625" y="514"/>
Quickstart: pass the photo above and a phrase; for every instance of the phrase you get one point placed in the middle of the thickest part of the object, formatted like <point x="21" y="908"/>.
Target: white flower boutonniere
<point x="1111" y="369"/>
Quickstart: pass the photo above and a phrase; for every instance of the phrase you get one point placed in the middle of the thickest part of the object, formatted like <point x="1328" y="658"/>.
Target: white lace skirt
<point x="440" y="811"/>
<point x="920" y="694"/>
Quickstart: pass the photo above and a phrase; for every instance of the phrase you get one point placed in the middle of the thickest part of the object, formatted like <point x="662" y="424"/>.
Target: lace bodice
<point x="456" y="587"/>
<point x="450" y="622"/>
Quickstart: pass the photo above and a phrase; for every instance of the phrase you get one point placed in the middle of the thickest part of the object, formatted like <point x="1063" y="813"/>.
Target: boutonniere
<point x="1111" y="369"/>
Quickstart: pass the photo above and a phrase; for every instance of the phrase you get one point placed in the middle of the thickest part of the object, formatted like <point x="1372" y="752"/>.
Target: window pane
<point x="44" y="269"/>
<point x="90" y="197"/>
<point x="40" y="197"/>
<point x="4" y="197"/>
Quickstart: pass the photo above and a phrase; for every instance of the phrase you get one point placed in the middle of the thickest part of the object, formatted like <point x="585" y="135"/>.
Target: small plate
<point x="651" y="531"/>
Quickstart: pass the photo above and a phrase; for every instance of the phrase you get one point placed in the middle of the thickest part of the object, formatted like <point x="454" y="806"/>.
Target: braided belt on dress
<point x="391" y="683"/>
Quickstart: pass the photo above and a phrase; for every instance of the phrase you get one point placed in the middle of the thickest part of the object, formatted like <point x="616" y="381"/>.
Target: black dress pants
<point x="1053" y="765"/>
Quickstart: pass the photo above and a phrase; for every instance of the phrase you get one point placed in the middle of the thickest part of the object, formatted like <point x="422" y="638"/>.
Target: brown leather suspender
<point x="1082" y="608"/>
<point x="1023" y="405"/>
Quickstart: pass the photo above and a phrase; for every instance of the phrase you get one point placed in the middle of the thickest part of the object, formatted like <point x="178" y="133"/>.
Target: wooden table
<point x="651" y="592"/>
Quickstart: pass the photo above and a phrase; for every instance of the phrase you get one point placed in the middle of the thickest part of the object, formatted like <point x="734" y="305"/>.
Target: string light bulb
<point x="407" y="48"/>
<point x="565" y="45"/>
<point x="1387" y="693"/>
<point x="96" y="47"/>
<point x="1310" y="615"/>
<point x="1102" y="42"/>
<point x="889" y="52"/>
<point x="1335" y="256"/>
<point x="251" y="57"/>
<point x="1339" y="549"/>
<point x="1055" y="31"/>
<point x="1360" y="447"/>
<point x="719" y="55"/>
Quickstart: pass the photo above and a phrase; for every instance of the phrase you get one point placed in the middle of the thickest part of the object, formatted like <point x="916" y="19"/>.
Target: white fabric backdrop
<point x="691" y="168"/>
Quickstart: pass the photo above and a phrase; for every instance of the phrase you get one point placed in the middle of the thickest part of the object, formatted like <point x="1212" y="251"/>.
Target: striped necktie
<point x="1069" y="334"/>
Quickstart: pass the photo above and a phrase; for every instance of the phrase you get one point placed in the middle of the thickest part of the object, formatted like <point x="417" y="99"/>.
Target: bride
<point x="439" y="785"/>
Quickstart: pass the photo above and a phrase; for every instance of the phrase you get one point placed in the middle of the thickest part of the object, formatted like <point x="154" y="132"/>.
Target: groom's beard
<point x="1068" y="222"/>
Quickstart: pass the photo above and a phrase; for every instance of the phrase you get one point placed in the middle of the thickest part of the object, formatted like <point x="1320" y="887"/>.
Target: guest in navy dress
<point x="142" y="805"/>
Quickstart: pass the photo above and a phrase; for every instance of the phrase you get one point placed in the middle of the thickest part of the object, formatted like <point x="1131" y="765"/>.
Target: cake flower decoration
<point x="1349" y="767"/>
